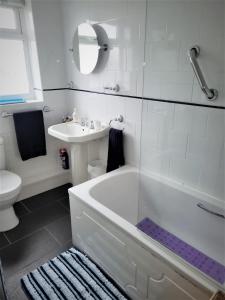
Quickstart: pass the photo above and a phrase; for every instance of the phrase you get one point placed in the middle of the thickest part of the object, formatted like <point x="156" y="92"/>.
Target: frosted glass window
<point x="13" y="70"/>
<point x="7" y="18"/>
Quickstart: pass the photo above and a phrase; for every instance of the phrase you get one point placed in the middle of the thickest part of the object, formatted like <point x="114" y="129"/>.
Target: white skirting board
<point x="44" y="184"/>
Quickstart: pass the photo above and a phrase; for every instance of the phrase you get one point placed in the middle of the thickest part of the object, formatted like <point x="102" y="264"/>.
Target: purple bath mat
<point x="193" y="256"/>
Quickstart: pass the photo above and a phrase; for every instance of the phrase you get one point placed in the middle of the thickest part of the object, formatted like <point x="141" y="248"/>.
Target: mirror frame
<point x="86" y="48"/>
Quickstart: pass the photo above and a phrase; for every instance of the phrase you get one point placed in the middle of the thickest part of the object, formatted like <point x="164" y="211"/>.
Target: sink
<point x="75" y="133"/>
<point x="77" y="137"/>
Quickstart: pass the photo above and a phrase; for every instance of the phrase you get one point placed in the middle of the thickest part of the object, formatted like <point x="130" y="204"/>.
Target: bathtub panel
<point x="142" y="274"/>
<point x="155" y="268"/>
<point x="104" y="247"/>
<point x="166" y="289"/>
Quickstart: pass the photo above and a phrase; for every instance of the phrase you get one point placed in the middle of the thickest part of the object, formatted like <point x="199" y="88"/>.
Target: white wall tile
<point x="47" y="17"/>
<point x="199" y="117"/>
<point x="124" y="26"/>
<point x="216" y="123"/>
<point x="48" y="27"/>
<point x="183" y="118"/>
<point x="105" y="108"/>
<point x="36" y="168"/>
<point x="156" y="162"/>
<point x="185" y="171"/>
<point x="186" y="144"/>
<point x="173" y="27"/>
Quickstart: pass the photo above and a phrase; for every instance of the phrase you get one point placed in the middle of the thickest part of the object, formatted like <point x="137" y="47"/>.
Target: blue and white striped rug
<point x="71" y="275"/>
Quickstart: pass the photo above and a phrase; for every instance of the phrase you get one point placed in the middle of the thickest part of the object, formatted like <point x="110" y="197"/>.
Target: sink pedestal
<point x="79" y="163"/>
<point x="78" y="137"/>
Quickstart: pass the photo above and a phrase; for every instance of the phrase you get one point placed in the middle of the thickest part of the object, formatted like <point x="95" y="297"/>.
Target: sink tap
<point x="82" y="122"/>
<point x="92" y="125"/>
<point x="86" y="123"/>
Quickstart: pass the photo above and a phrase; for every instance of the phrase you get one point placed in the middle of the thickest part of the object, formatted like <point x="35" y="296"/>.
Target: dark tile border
<point x="136" y="97"/>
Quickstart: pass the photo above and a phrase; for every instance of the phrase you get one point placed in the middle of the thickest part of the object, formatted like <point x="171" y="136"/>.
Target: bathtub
<point x="104" y="214"/>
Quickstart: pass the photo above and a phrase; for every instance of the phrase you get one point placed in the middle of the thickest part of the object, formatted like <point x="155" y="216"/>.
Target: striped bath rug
<point x="70" y="275"/>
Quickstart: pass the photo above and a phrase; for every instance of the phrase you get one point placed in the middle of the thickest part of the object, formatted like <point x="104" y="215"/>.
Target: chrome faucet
<point x="92" y="125"/>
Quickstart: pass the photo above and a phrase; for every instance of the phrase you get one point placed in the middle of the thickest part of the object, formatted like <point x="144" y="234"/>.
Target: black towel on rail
<point x="30" y="133"/>
<point x="115" y="152"/>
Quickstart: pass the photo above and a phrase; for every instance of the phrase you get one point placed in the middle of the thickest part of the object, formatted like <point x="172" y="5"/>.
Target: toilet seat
<point x="10" y="185"/>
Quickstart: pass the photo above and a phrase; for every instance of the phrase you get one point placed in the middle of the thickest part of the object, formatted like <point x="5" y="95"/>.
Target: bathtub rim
<point x="82" y="193"/>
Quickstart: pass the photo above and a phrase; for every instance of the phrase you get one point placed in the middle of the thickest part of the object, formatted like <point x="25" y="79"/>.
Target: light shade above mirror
<point x="85" y="48"/>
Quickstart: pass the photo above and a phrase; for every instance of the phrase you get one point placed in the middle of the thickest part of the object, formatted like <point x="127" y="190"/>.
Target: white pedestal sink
<point x="78" y="137"/>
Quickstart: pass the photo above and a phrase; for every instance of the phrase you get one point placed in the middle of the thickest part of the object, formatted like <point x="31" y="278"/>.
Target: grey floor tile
<point x="46" y="198"/>
<point x="25" y="252"/>
<point x="17" y="294"/>
<point x="61" y="229"/>
<point x="3" y="241"/>
<point x="13" y="284"/>
<point x="20" y="209"/>
<point x="65" y="202"/>
<point x="31" y="244"/>
<point x="36" y="220"/>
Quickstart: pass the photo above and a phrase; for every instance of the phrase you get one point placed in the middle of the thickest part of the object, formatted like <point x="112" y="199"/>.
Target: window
<point x="15" y="71"/>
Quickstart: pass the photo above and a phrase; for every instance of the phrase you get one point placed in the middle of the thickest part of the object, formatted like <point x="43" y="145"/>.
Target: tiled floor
<point x="43" y="232"/>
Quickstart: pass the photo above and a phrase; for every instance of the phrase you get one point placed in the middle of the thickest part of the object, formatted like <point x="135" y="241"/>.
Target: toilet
<point x="10" y="186"/>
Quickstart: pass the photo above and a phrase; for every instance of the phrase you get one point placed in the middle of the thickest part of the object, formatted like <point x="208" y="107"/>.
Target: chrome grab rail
<point x="193" y="54"/>
<point x="202" y="206"/>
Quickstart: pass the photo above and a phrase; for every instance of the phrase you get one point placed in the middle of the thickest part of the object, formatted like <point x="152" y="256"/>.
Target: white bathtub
<point x="104" y="212"/>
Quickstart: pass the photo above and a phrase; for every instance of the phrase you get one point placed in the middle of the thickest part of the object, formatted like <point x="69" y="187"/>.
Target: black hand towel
<point x="115" y="152"/>
<point x="30" y="134"/>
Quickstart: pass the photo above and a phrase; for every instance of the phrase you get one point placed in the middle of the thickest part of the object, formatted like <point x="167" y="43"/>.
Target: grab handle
<point x="202" y="206"/>
<point x="193" y="54"/>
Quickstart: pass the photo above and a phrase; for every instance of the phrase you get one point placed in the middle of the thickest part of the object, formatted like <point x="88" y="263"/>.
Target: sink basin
<point x="78" y="137"/>
<point x="75" y="133"/>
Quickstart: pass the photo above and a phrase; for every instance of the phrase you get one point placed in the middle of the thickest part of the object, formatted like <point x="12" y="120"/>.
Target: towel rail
<point x="6" y="114"/>
<point x="193" y="54"/>
<point x="119" y="119"/>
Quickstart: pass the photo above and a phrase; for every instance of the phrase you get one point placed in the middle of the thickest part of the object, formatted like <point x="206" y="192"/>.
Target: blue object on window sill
<point x="12" y="101"/>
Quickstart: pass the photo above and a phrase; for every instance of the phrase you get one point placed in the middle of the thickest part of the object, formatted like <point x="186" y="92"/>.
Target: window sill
<point x="28" y="103"/>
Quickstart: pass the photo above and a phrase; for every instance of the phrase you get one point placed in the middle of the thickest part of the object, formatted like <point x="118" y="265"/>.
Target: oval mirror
<point x="85" y="48"/>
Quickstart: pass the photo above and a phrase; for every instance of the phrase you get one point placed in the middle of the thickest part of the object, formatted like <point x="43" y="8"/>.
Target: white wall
<point x="173" y="27"/>
<point x="47" y="17"/>
<point x="44" y="172"/>
<point x="43" y="167"/>
<point x="105" y="108"/>
<point x="186" y="144"/>
<point x="123" y="23"/>
<point x="183" y="143"/>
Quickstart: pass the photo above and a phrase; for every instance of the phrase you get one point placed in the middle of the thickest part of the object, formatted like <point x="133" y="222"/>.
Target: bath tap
<point x="92" y="125"/>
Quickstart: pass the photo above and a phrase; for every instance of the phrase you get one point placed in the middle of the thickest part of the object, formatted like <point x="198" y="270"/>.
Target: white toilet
<point x="10" y="186"/>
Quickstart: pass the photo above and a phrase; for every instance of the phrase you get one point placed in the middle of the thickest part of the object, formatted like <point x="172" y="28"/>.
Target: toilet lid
<point x="9" y="182"/>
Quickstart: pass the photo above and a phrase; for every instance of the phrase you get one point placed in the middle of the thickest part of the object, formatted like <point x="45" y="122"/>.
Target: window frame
<point x="20" y="33"/>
